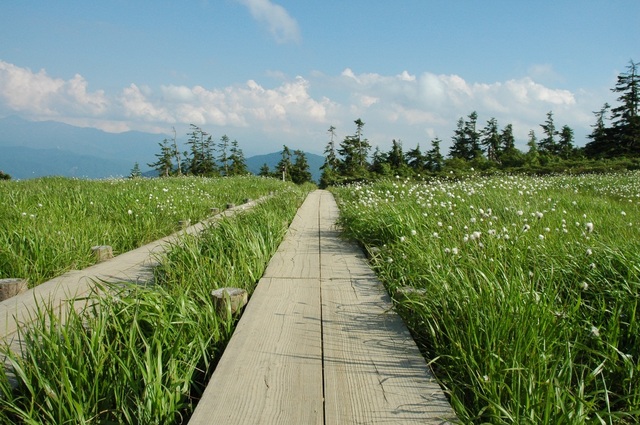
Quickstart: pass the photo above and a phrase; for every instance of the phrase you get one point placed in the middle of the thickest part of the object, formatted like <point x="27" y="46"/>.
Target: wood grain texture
<point x="320" y="324"/>
<point x="271" y="371"/>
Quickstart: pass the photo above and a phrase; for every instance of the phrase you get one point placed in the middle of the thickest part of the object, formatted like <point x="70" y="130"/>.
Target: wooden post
<point x="12" y="287"/>
<point x="230" y="205"/>
<point x="102" y="252"/>
<point x="229" y="300"/>
<point x="405" y="292"/>
<point x="373" y="252"/>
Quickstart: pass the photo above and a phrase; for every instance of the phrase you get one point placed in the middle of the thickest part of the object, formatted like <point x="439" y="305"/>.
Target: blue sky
<point x="274" y="72"/>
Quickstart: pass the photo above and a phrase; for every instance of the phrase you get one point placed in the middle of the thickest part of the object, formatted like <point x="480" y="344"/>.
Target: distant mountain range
<point x="30" y="149"/>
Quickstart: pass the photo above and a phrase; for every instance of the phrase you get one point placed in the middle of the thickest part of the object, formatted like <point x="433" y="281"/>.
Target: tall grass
<point x="48" y="225"/>
<point x="529" y="289"/>
<point x="143" y="354"/>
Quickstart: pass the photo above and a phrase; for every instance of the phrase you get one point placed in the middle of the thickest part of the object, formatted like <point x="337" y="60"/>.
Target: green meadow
<point x="523" y="292"/>
<point x="48" y="225"/>
<point x="138" y="354"/>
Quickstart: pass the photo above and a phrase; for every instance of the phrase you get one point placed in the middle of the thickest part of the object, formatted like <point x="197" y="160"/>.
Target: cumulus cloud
<point x="278" y="21"/>
<point x="411" y="107"/>
<point x="434" y="102"/>
<point x="42" y="95"/>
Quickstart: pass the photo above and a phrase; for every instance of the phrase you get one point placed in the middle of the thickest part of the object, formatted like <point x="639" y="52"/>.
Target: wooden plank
<point x="133" y="266"/>
<point x="271" y="371"/>
<point x="374" y="372"/>
<point x="298" y="255"/>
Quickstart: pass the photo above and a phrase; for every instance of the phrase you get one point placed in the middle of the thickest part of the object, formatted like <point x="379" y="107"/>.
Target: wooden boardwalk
<point x="133" y="266"/>
<point x="319" y="342"/>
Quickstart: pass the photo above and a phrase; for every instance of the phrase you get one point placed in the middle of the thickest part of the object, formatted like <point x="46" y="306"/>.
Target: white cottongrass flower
<point x="520" y="212"/>
<point x="402" y="239"/>
<point x="589" y="252"/>
<point x="526" y="227"/>
<point x="454" y="251"/>
<point x="539" y="215"/>
<point x="413" y="233"/>
<point x="595" y="331"/>
<point x="584" y="286"/>
<point x="541" y="237"/>
<point x="435" y="235"/>
<point x="129" y="212"/>
<point x="589" y="227"/>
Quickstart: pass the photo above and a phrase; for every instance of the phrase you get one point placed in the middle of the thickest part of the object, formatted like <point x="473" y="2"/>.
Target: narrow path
<point x="133" y="266"/>
<point x="319" y="342"/>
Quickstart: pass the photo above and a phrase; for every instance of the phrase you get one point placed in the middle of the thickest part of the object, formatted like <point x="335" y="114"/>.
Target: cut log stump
<point x="102" y="252"/>
<point x="229" y="300"/>
<point x="12" y="287"/>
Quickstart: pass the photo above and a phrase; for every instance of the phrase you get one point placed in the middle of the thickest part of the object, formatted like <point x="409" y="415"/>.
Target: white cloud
<point x="39" y="94"/>
<point x="278" y="21"/>
<point x="414" y="108"/>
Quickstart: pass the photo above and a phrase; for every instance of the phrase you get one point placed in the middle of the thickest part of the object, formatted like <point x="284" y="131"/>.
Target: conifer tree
<point x="434" y="159"/>
<point x="626" y="117"/>
<point x="466" y="139"/>
<point x="355" y="151"/>
<point x="164" y="164"/>
<point x="416" y="159"/>
<point x="532" y="156"/>
<point x="238" y="164"/>
<point x="300" y="169"/>
<point x="135" y="171"/>
<point x="265" y="171"/>
<point x="507" y="141"/>
<point x="331" y="162"/>
<point x="565" y="142"/>
<point x="601" y="144"/>
<point x="380" y="163"/>
<point x="223" y="155"/>
<point x="284" y="165"/>
<point x="548" y="144"/>
<point x="200" y="158"/>
<point x="395" y="157"/>
<point x="491" y="140"/>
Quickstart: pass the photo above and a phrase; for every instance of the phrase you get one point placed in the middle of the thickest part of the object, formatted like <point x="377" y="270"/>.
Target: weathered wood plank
<point x="374" y="372"/>
<point x="298" y="255"/>
<point x="133" y="266"/>
<point x="271" y="371"/>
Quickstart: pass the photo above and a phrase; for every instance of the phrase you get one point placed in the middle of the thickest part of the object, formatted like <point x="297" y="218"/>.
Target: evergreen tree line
<point x="203" y="157"/>
<point x="289" y="169"/>
<point x="615" y="135"/>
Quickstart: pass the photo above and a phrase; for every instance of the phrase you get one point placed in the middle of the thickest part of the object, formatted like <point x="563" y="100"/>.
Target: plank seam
<point x="322" y="359"/>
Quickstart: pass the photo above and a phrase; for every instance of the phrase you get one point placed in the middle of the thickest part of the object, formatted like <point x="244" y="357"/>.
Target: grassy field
<point x="526" y="290"/>
<point x="48" y="225"/>
<point x="143" y="354"/>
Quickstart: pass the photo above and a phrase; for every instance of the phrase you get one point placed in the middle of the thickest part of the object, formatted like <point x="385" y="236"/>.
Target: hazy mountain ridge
<point x="31" y="149"/>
